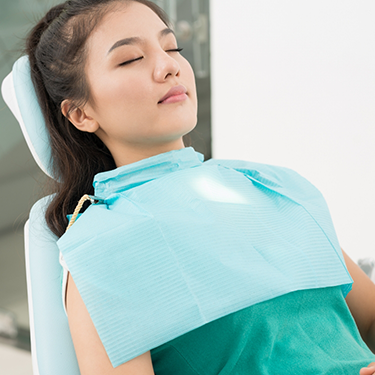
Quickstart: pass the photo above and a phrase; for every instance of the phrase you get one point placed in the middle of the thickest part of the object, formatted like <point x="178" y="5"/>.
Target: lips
<point x="174" y="91"/>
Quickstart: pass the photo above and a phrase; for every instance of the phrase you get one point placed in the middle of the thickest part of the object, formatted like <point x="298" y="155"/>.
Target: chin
<point x="191" y="128"/>
<point x="181" y="129"/>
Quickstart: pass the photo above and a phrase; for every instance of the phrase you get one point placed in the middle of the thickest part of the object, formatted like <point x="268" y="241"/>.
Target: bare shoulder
<point x="91" y="355"/>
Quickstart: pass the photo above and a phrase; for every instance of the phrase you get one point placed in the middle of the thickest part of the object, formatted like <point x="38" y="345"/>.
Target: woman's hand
<point x="369" y="370"/>
<point x="361" y="302"/>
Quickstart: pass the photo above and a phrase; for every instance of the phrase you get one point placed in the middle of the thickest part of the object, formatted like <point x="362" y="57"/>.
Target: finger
<point x="367" y="370"/>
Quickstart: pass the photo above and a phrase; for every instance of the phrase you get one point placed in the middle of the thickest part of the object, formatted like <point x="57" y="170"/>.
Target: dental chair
<point x="51" y="343"/>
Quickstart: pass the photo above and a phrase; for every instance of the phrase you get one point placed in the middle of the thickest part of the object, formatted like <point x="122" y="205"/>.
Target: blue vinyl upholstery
<point x="51" y="344"/>
<point x="52" y="347"/>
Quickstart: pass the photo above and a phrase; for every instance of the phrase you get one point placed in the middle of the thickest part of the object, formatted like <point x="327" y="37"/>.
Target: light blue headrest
<point x="19" y="94"/>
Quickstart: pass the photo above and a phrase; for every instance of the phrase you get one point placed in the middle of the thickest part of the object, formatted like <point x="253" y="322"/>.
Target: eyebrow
<point x="138" y="40"/>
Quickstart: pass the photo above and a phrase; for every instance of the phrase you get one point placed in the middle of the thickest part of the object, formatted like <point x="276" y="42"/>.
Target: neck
<point x="132" y="153"/>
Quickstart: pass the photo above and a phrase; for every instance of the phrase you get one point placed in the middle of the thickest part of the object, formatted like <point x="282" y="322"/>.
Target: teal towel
<point x="309" y="332"/>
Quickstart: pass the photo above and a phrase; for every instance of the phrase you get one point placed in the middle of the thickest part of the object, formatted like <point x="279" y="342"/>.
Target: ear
<point x="78" y="117"/>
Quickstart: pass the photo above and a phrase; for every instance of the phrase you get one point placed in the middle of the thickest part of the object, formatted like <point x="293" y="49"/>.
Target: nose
<point x="165" y="66"/>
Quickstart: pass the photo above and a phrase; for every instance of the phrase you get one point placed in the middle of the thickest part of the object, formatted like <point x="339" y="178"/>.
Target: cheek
<point x="126" y="92"/>
<point x="187" y="67"/>
<point x="189" y="77"/>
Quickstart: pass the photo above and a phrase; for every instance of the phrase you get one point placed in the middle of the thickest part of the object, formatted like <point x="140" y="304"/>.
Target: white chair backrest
<point x="51" y="344"/>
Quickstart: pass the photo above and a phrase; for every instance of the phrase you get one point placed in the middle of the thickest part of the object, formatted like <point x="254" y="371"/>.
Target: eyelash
<point x="139" y="58"/>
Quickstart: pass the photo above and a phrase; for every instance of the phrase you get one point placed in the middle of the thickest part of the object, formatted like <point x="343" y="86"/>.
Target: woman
<point x="118" y="97"/>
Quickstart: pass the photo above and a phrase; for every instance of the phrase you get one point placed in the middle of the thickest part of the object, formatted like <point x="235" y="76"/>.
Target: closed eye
<point x="130" y="61"/>
<point x="139" y="58"/>
<point x="175" y="50"/>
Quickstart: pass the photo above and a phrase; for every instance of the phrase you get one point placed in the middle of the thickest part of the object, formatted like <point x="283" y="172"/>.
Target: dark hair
<point x="56" y="47"/>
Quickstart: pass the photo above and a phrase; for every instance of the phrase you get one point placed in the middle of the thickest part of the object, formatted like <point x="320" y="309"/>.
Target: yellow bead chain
<point x="85" y="198"/>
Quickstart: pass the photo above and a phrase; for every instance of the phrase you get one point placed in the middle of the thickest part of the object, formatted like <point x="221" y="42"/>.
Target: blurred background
<point x="288" y="83"/>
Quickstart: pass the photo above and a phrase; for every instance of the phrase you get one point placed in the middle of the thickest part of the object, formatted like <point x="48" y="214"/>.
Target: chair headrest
<point x="20" y="96"/>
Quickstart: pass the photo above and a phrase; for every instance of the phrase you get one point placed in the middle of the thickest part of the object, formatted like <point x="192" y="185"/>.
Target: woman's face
<point x="131" y="65"/>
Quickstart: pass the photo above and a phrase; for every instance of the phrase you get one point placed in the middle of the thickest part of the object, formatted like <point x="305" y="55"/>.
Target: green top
<point x="303" y="332"/>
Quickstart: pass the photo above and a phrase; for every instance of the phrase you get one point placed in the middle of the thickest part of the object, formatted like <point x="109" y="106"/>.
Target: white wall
<point x="293" y="84"/>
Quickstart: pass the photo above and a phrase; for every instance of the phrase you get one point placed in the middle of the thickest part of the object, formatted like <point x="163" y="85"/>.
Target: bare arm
<point x="361" y="302"/>
<point x="91" y="355"/>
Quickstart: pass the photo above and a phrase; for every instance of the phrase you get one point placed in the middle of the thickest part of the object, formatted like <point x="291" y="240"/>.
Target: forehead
<point x="125" y="20"/>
